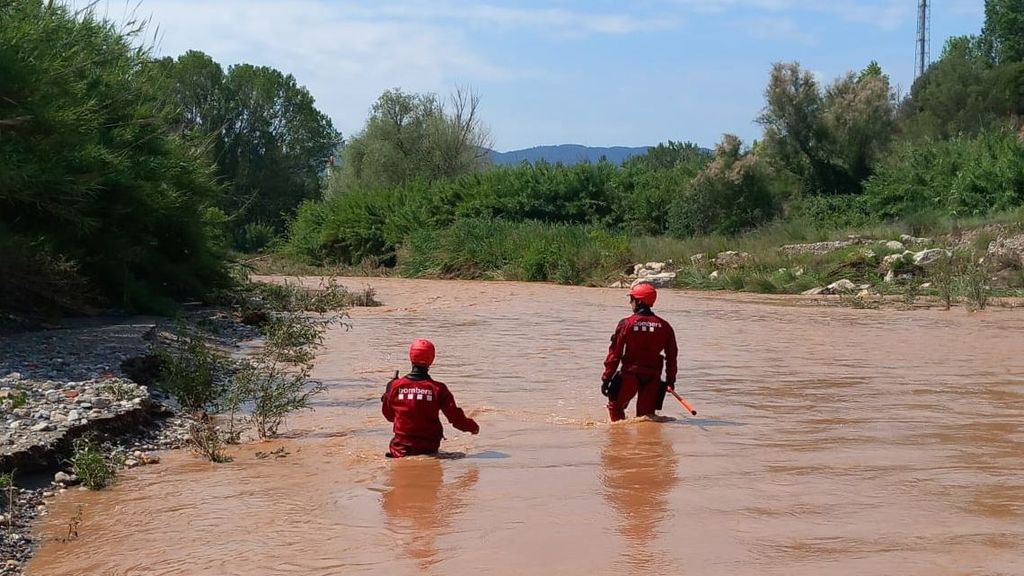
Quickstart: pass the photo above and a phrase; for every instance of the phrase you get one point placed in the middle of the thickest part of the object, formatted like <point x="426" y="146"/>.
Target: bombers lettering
<point x="646" y="326"/>
<point x="416" y="394"/>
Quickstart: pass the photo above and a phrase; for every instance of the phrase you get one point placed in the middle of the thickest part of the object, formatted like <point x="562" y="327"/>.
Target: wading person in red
<point x="644" y="344"/>
<point x="413" y="402"/>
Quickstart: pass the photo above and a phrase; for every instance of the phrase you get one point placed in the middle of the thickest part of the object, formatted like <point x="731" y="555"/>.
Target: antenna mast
<point x="924" y="40"/>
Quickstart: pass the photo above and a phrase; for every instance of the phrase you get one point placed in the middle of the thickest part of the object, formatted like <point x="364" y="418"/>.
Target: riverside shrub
<point x="477" y="248"/>
<point x="959" y="177"/>
<point x="91" y="171"/>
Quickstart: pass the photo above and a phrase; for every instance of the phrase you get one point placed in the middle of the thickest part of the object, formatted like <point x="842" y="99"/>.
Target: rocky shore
<point x="87" y="378"/>
<point x="970" y="263"/>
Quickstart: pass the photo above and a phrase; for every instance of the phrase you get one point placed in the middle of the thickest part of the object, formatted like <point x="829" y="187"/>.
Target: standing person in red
<point x="644" y="344"/>
<point x="413" y="402"/>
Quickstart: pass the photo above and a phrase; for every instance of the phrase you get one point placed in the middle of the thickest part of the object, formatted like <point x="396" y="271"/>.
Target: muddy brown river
<point x="829" y="441"/>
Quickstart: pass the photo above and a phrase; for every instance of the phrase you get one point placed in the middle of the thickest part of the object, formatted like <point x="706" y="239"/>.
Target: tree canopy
<point x="828" y="138"/>
<point x="269" y="141"/>
<point x="412" y="137"/>
<point x="1004" y="30"/>
<point x="97" y="194"/>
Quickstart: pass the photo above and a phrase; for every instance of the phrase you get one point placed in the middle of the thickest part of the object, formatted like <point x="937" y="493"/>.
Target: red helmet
<point x="421" y="353"/>
<point x="644" y="292"/>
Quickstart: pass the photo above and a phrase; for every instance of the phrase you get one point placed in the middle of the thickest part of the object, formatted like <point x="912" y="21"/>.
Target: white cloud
<point x="349" y="51"/>
<point x="778" y="28"/>
<point x="345" y="61"/>
<point x="885" y="14"/>
<point x="559" y="21"/>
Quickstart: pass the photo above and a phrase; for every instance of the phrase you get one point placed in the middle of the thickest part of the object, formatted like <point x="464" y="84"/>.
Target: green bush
<point x="90" y="169"/>
<point x="831" y="212"/>
<point x="9" y="490"/>
<point x="205" y="440"/>
<point x="17" y="400"/>
<point x="256" y="302"/>
<point x="255" y="237"/>
<point x="516" y="251"/>
<point x="644" y="196"/>
<point x="274" y="390"/>
<point x="640" y="198"/>
<point x="94" y="466"/>
<point x="733" y="194"/>
<point x="37" y="281"/>
<point x="189" y="372"/>
<point x="275" y="381"/>
<point x="305" y="241"/>
<point x="974" y="282"/>
<point x="961" y="177"/>
<point x="353" y="225"/>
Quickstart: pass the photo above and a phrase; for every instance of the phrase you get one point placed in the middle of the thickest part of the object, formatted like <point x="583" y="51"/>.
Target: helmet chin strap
<point x="637" y="305"/>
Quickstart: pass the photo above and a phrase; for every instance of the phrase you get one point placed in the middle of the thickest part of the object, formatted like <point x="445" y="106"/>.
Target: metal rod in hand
<point x="686" y="405"/>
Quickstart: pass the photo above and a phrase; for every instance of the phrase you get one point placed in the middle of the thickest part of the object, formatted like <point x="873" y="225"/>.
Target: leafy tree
<point x="734" y="193"/>
<point x="872" y="70"/>
<point x="93" y="183"/>
<point x="414" y="137"/>
<point x="275" y="145"/>
<point x="951" y="98"/>
<point x="829" y="139"/>
<point x="794" y="133"/>
<point x="263" y="130"/>
<point x="671" y="154"/>
<point x="860" y="119"/>
<point x="1006" y="91"/>
<point x="1004" y="30"/>
<point x="648" y="184"/>
<point x="460" y="139"/>
<point x="195" y="86"/>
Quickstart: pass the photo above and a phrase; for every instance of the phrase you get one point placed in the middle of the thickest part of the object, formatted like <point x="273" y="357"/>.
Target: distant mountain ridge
<point x="567" y="154"/>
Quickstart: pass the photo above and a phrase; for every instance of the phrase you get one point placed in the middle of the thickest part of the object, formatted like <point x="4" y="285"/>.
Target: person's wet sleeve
<point x="455" y="415"/>
<point x="385" y="404"/>
<point x="671" y="358"/>
<point x="615" y="350"/>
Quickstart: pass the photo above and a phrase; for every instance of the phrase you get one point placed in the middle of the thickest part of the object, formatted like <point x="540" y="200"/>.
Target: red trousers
<point x="398" y="449"/>
<point x="646" y="389"/>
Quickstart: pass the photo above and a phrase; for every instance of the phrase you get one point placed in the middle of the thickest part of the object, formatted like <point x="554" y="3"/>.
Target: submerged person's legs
<point x="397" y="449"/>
<point x="617" y="406"/>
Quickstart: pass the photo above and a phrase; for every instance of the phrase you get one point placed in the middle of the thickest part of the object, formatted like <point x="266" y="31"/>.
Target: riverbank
<point x="959" y="263"/>
<point x="99" y="395"/>
<point x="87" y="378"/>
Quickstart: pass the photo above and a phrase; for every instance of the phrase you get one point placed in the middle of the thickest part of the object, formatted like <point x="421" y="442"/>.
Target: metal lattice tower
<point x="924" y="37"/>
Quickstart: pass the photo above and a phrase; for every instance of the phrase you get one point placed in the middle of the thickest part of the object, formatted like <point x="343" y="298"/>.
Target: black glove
<point x="610" y="388"/>
<point x="670" y="384"/>
<point x="663" y="388"/>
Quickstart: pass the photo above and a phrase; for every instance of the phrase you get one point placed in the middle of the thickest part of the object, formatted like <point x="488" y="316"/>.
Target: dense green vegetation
<point x="833" y="158"/>
<point x="483" y="248"/>
<point x="261" y="130"/>
<point x="95" y="192"/>
<point x="414" y="137"/>
<point x="962" y="176"/>
<point x="124" y="179"/>
<point x="128" y="180"/>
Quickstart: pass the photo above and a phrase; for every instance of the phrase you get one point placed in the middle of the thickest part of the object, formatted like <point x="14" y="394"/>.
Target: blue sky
<point x="599" y="73"/>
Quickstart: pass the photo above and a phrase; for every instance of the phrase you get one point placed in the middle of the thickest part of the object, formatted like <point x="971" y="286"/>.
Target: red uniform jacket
<point x="638" y="343"/>
<point x="412" y="402"/>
